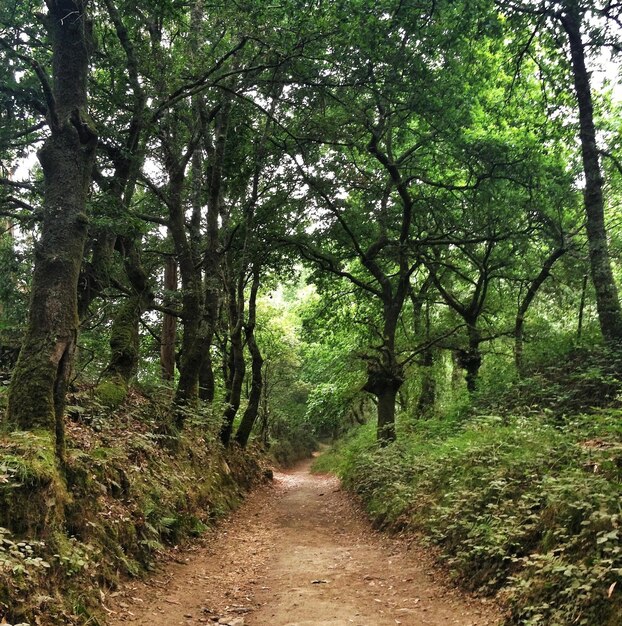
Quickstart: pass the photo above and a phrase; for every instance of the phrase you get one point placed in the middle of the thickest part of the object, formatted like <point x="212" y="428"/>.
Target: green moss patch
<point x="111" y="392"/>
<point x="121" y="497"/>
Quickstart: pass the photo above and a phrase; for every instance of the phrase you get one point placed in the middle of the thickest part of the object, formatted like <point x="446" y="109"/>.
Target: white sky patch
<point x="25" y="165"/>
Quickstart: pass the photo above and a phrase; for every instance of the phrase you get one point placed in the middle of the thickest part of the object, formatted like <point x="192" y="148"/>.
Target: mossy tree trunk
<point x="192" y="299"/>
<point x="385" y="374"/>
<point x="119" y="188"/>
<point x="125" y="335"/>
<point x="471" y="358"/>
<point x="212" y="255"/>
<point x="38" y="386"/>
<point x="207" y="381"/>
<point x="237" y="364"/>
<point x="250" y="414"/>
<point x="200" y="276"/>
<point x="168" y="335"/>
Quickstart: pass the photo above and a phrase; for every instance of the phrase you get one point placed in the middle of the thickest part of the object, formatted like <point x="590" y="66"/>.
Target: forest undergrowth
<point x="520" y="493"/>
<point x="125" y="493"/>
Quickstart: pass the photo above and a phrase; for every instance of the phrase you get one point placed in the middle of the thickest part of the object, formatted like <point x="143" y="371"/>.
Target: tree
<point x="37" y="393"/>
<point x="252" y="409"/>
<point x="574" y="17"/>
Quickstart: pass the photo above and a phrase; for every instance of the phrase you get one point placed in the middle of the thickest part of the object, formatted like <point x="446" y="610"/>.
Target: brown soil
<point x="298" y="553"/>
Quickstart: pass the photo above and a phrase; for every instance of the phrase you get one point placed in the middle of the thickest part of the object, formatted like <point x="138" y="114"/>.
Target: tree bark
<point x="427" y="397"/>
<point x="385" y="375"/>
<point x="386" y="415"/>
<point x="237" y="363"/>
<point x="207" y="381"/>
<point x="607" y="302"/>
<point x="169" y="325"/>
<point x="212" y="256"/>
<point x="125" y="333"/>
<point x="250" y="415"/>
<point x="200" y="282"/>
<point x="187" y="390"/>
<point x="37" y="391"/>
<point x="471" y="358"/>
<point x="582" y="307"/>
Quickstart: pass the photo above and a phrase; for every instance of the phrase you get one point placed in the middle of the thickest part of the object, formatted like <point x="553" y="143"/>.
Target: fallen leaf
<point x="611" y="588"/>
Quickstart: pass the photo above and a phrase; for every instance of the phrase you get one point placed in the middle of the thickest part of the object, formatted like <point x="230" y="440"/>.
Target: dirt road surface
<point x="298" y="553"/>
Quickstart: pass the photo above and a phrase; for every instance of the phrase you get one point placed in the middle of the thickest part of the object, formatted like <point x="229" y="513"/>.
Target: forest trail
<point x="298" y="553"/>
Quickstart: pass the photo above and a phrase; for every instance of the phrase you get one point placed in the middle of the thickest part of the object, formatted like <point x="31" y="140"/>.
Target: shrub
<point x="513" y="503"/>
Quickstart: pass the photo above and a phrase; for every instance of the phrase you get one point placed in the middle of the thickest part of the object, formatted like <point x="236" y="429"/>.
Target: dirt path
<point x="297" y="553"/>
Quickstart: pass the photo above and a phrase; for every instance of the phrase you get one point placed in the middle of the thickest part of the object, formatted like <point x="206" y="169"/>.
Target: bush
<point x="512" y="503"/>
<point x="291" y="441"/>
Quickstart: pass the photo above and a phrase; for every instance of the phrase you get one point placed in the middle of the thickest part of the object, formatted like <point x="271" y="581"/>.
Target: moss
<point x="33" y="494"/>
<point x="124" y="342"/>
<point x="120" y="497"/>
<point x="31" y="393"/>
<point x="111" y="392"/>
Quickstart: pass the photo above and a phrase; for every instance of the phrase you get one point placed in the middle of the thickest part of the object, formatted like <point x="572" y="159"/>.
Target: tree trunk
<point x="187" y="392"/>
<point x="607" y="303"/>
<point x="427" y="397"/>
<point x="235" y="393"/>
<point x="168" y="335"/>
<point x="471" y="358"/>
<point x="250" y="415"/>
<point x="237" y="363"/>
<point x="386" y="414"/>
<point x="191" y="359"/>
<point x="385" y="376"/>
<point x="207" y="382"/>
<point x="582" y="307"/>
<point x="212" y="255"/>
<point x="201" y="290"/>
<point x="38" y="386"/>
<point x="95" y="274"/>
<point x="264" y="412"/>
<point x="125" y="335"/>
<point x="124" y="342"/>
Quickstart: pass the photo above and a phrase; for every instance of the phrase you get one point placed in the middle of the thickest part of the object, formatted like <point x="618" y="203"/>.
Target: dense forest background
<point x="284" y="222"/>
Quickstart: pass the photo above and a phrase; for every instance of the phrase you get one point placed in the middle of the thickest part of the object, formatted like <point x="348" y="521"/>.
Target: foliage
<point x="404" y="184"/>
<point x="590" y="379"/>
<point x="291" y="441"/>
<point x="129" y="494"/>
<point x="513" y="503"/>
